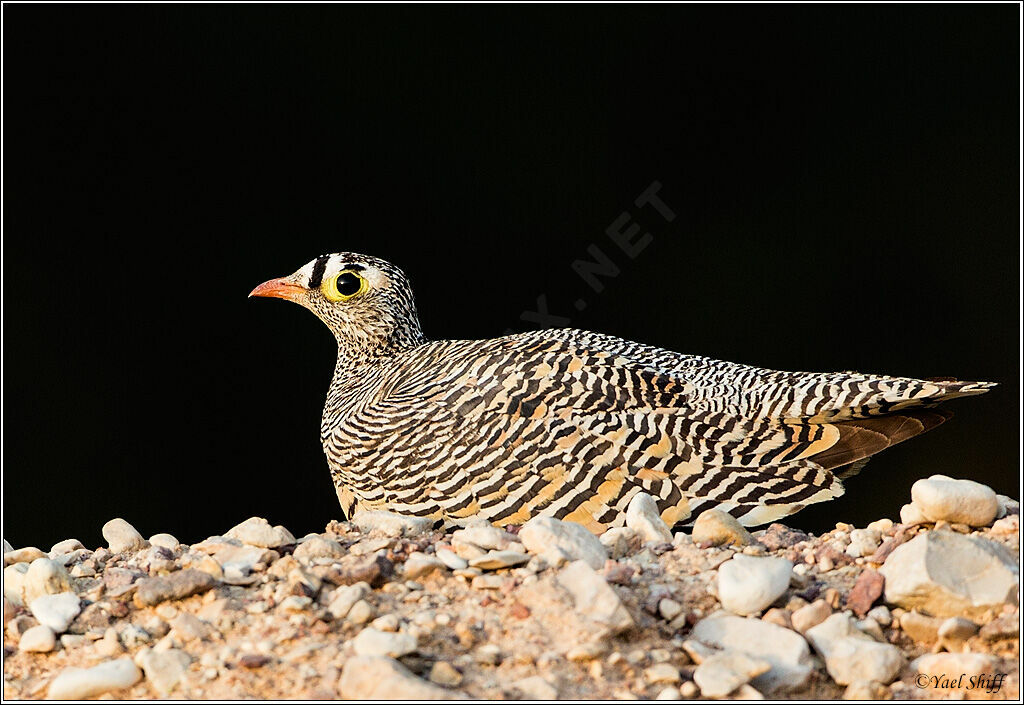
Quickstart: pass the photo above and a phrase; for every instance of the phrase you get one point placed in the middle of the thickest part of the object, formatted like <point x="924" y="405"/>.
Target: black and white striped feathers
<point x="573" y="424"/>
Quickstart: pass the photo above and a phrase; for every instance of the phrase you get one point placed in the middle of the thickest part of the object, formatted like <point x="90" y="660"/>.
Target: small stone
<point x="79" y="683"/>
<point x="714" y="527"/>
<point x="867" y="690"/>
<point x="1001" y="628"/>
<point x="921" y="628"/>
<point x="122" y="537"/>
<point x="669" y="609"/>
<point x="955" y="672"/>
<point x="44" y="577"/>
<point x="540" y="534"/>
<point x="669" y="693"/>
<point x="10" y="611"/>
<point x="496" y="560"/>
<point x="39" y="638"/>
<point x="643" y="517"/>
<point x="19" y="625"/>
<point x="56" y="611"/>
<point x="489" y="654"/>
<point x="1007" y="526"/>
<point x="593" y="597"/>
<point x="850" y="655"/>
<point x="189" y="627"/>
<point x="866" y="590"/>
<point x="82" y="570"/>
<point x="941" y="498"/>
<point x="373" y="642"/>
<point x="863" y="542"/>
<point x="22" y="555"/>
<point x="163" y="669"/>
<point x="420" y="564"/>
<point x="237" y="562"/>
<point x="383" y="678"/>
<point x="662" y="673"/>
<point x="254" y="661"/>
<point x="519" y="610"/>
<point x="375" y="570"/>
<point x="133" y="636"/>
<point x="448" y="557"/>
<point x="778" y="616"/>
<point x="554" y="557"/>
<point x="871" y="628"/>
<point x="110" y="645"/>
<point x="749" y="584"/>
<point x="778" y="536"/>
<point x="391" y="524"/>
<point x="167" y="611"/>
<point x="785" y="650"/>
<point x="344" y="597"/>
<point x="485" y="537"/>
<point x="71" y="641"/>
<point x="488" y="582"/>
<point x="466" y="551"/>
<point x="619" y="573"/>
<point x="948" y="574"/>
<point x="296" y="603"/>
<point x="361" y="612"/>
<point x="881" y="615"/>
<point x="587" y="652"/>
<point x="165" y="541"/>
<point x="689" y="690"/>
<point x="535" y="688"/>
<point x="1007" y="506"/>
<point x="911" y="515"/>
<point x="620" y="541"/>
<point x="386" y="623"/>
<point x="723" y="673"/>
<point x="958" y="629"/>
<point x="184" y="583"/>
<point x="443" y="673"/>
<point x="66" y="546"/>
<point x="257" y="531"/>
<point x="14" y="580"/>
<point x="318" y="547"/>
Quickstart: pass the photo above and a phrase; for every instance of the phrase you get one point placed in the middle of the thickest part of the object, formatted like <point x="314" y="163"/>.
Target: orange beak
<point x="279" y="289"/>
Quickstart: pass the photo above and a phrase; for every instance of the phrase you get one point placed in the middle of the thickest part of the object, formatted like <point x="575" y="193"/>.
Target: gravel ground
<point x="388" y="607"/>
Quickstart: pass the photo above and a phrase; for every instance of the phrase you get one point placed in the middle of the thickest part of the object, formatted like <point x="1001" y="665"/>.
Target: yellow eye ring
<point x="344" y="285"/>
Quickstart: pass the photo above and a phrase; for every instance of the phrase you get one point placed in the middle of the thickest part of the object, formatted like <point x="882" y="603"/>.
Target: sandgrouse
<point x="573" y="424"/>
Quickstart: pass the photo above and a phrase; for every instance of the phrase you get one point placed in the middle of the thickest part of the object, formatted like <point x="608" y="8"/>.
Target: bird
<point x="573" y="424"/>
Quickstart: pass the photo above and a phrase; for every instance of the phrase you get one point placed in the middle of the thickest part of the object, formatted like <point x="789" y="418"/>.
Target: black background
<point x="845" y="180"/>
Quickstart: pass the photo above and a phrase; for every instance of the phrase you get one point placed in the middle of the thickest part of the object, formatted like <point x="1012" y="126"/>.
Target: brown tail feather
<point x="862" y="438"/>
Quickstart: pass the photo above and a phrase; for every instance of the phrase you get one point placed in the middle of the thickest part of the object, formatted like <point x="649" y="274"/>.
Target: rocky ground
<point x="388" y="607"/>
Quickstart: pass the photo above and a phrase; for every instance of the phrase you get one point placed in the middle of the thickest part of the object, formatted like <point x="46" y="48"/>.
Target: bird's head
<point x="366" y="302"/>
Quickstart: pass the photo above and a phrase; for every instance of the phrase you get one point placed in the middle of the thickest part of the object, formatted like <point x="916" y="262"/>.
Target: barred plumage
<point x="573" y="424"/>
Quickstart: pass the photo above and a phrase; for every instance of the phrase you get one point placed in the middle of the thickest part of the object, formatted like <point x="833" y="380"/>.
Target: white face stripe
<point x="337" y="263"/>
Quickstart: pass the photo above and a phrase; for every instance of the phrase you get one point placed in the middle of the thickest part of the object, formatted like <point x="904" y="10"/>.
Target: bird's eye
<point x="344" y="286"/>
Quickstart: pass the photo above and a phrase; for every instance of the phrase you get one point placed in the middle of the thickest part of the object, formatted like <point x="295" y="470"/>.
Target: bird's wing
<point x="576" y="424"/>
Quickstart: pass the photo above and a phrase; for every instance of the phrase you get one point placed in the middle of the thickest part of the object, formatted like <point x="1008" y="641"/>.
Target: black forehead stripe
<point x="318" y="271"/>
<point x="354" y="267"/>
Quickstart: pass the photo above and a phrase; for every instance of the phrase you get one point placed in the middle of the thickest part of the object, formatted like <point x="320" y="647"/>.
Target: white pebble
<point x="643" y="517"/>
<point x="78" y="683"/>
<point x="164" y="541"/>
<point x="122" y="536"/>
<point x="749" y="584"/>
<point x="56" y="611"/>
<point x="38" y="638"/>
<point x="942" y="498"/>
<point x="65" y="546"/>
